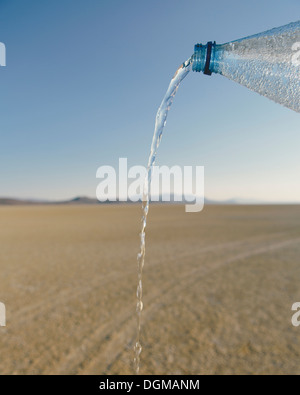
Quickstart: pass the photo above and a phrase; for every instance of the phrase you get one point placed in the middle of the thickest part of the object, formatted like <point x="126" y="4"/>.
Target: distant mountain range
<point x="82" y="200"/>
<point x="27" y="202"/>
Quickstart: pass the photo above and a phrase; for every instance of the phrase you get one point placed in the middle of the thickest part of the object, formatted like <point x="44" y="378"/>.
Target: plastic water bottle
<point x="267" y="63"/>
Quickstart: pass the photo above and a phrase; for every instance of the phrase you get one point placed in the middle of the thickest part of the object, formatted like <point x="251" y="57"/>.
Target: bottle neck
<point x="203" y="58"/>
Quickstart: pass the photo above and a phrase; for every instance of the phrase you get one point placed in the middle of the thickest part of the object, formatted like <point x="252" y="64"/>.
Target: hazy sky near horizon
<point x="84" y="80"/>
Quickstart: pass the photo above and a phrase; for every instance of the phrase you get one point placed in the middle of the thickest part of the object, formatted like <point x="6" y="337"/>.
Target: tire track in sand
<point x="67" y="294"/>
<point x="107" y="343"/>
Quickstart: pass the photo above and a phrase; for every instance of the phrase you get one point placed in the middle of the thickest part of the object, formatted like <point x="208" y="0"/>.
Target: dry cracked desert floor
<point x="218" y="290"/>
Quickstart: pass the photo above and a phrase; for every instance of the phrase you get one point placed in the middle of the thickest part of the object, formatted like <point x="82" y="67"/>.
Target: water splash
<point x="160" y="123"/>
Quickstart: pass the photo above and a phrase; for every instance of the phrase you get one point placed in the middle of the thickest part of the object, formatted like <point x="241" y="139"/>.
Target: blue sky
<point x="84" y="80"/>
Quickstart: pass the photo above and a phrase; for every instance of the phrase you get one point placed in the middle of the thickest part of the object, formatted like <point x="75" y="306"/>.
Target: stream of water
<point x="160" y="123"/>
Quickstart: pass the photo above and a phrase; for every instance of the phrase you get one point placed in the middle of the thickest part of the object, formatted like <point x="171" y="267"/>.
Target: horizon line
<point x="4" y="200"/>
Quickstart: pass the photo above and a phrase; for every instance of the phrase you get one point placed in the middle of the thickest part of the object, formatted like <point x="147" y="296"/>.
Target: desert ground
<point x="218" y="290"/>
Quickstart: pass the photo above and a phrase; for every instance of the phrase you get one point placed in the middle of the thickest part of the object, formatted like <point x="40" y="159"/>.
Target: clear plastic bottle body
<point x="267" y="63"/>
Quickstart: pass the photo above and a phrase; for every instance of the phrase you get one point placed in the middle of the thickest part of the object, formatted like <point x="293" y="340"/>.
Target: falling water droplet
<point x="139" y="292"/>
<point x="139" y="307"/>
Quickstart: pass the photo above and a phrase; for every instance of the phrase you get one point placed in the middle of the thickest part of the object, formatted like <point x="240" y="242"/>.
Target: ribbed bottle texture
<point x="267" y="63"/>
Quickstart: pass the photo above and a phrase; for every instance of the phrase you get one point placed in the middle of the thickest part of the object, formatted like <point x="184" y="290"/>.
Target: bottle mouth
<point x="202" y="57"/>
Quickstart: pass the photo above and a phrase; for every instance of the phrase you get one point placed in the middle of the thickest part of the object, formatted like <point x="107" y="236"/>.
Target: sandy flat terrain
<point x="218" y="290"/>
